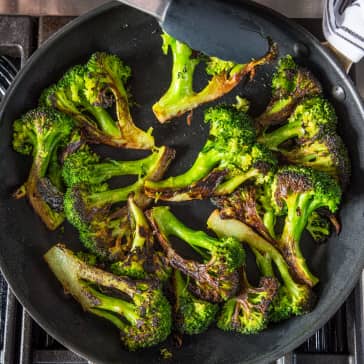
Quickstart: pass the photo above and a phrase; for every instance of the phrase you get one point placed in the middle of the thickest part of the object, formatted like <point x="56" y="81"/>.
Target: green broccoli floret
<point x="319" y="227"/>
<point x="248" y="313"/>
<point x="290" y="84"/>
<point x="180" y="96"/>
<point x="311" y="119"/>
<point x="137" y="308"/>
<point x="216" y="279"/>
<point x="90" y="206"/>
<point x="40" y="132"/>
<point x="86" y="92"/>
<point x="229" y="157"/>
<point x="292" y="298"/>
<point x="192" y="315"/>
<point x="299" y="191"/>
<point x="327" y="153"/>
<point x="142" y="260"/>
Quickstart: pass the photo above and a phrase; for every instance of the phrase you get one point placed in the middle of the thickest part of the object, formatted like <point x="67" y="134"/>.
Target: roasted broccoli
<point x="89" y="206"/>
<point x="290" y="84"/>
<point x="142" y="259"/>
<point x="299" y="191"/>
<point x="40" y="132"/>
<point x="319" y="227"/>
<point x="86" y="92"/>
<point x="292" y="298"/>
<point x="248" y="312"/>
<point x="216" y="279"/>
<point x="228" y="158"/>
<point x="310" y="121"/>
<point x="192" y="315"/>
<point x="137" y="308"/>
<point x="327" y="153"/>
<point x="225" y="75"/>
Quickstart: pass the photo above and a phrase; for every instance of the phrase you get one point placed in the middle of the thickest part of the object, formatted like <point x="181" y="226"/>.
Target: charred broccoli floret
<point x="299" y="191"/>
<point x="137" y="308"/>
<point x="192" y="315"/>
<point x="91" y="207"/>
<point x="292" y="298"/>
<point x="39" y="133"/>
<point x="327" y="153"/>
<point x="228" y="158"/>
<point x="216" y="279"/>
<point x="180" y="96"/>
<point x="319" y="227"/>
<point x="142" y="259"/>
<point x="86" y="92"/>
<point x="311" y="119"/>
<point x="248" y="312"/>
<point x="290" y="84"/>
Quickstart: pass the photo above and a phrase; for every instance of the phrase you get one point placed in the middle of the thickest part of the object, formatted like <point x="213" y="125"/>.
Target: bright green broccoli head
<point x="216" y="66"/>
<point x="284" y="78"/>
<point x="231" y="130"/>
<point x="137" y="308"/>
<point x="192" y="315"/>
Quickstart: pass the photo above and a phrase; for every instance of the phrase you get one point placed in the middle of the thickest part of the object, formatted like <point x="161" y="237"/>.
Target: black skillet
<point x="134" y="36"/>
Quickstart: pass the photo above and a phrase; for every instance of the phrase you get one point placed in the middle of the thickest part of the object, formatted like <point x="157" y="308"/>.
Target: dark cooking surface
<point x="145" y="94"/>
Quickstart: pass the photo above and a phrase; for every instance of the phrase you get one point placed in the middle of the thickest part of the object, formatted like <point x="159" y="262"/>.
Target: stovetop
<point x="341" y="340"/>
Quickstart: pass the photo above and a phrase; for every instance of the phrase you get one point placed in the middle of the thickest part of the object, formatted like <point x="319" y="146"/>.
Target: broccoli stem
<point x="140" y="223"/>
<point x="203" y="164"/>
<point x="233" y="183"/>
<point x="105" y="121"/>
<point x="180" y="284"/>
<point x="116" y="305"/>
<point x="280" y="135"/>
<point x="121" y="194"/>
<point x="243" y="233"/>
<point x="264" y="262"/>
<point x="170" y="225"/>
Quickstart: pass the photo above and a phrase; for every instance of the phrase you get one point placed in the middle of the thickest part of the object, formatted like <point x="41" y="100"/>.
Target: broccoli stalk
<point x="89" y="205"/>
<point x="248" y="313"/>
<point x="299" y="191"/>
<point x="290" y="84"/>
<point x="311" y="119"/>
<point x="292" y="298"/>
<point x="142" y="260"/>
<point x="192" y="315"/>
<point x="86" y="92"/>
<point x="180" y="96"/>
<point x="143" y="314"/>
<point x="228" y="158"/>
<point x="40" y="132"/>
<point x="216" y="279"/>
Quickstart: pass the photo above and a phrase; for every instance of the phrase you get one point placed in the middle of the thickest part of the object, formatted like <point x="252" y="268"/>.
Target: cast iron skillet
<point x="24" y="239"/>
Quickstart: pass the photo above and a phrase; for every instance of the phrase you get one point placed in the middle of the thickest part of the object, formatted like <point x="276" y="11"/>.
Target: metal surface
<point x="290" y="8"/>
<point x="156" y="8"/>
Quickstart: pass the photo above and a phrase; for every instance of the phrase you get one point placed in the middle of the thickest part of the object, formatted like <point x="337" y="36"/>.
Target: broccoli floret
<point x="137" y="308"/>
<point x="290" y="84"/>
<point x="251" y="205"/>
<point x="216" y="279"/>
<point x="86" y="92"/>
<point x="40" y="132"/>
<point x="89" y="206"/>
<point x="311" y="119"/>
<point x="327" y="153"/>
<point x="319" y="227"/>
<point x="248" y="313"/>
<point x="142" y="260"/>
<point x="180" y="96"/>
<point x="228" y="158"/>
<point x="292" y="298"/>
<point x="299" y="191"/>
<point x="192" y="315"/>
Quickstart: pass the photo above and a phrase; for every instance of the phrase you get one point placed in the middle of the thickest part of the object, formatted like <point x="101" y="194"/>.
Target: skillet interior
<point x="23" y="240"/>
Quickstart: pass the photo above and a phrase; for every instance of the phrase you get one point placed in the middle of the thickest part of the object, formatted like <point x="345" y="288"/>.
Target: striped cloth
<point x="343" y="27"/>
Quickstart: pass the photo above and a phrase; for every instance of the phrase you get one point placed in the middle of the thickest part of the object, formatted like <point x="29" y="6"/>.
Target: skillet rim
<point x="337" y="301"/>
